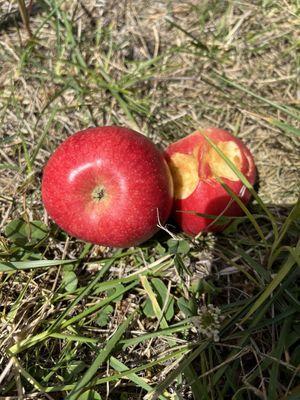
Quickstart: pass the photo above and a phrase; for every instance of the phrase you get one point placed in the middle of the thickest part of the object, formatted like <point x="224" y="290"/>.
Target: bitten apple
<point x="108" y="185"/>
<point x="196" y="168"/>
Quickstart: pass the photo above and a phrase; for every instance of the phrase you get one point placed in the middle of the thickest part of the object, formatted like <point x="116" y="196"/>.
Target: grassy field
<point x="212" y="317"/>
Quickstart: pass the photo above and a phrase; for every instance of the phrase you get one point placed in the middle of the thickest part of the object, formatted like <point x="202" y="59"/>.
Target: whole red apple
<point x="196" y="167"/>
<point x="108" y="186"/>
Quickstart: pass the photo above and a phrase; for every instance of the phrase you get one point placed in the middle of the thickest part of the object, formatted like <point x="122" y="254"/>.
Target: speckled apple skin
<point x="210" y="197"/>
<point x="131" y="170"/>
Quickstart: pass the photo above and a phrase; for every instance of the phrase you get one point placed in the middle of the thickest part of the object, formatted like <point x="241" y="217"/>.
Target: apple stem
<point x="98" y="193"/>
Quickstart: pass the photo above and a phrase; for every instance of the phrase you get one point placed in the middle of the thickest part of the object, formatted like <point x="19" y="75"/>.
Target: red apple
<point x="108" y="186"/>
<point x="196" y="167"/>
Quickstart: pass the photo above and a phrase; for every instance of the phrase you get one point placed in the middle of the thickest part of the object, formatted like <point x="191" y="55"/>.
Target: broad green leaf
<point x="178" y="246"/>
<point x="104" y="315"/>
<point x="160" y="249"/>
<point x="119" y="288"/>
<point x="90" y="395"/>
<point x="187" y="307"/>
<point x="74" y="368"/>
<point x="161" y="293"/>
<point x="26" y="233"/>
<point x="69" y="281"/>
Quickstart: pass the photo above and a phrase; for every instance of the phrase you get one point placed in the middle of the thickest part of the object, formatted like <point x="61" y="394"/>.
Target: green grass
<point x="212" y="317"/>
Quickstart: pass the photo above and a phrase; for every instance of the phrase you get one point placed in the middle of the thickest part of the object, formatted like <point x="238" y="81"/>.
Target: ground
<point x="216" y="317"/>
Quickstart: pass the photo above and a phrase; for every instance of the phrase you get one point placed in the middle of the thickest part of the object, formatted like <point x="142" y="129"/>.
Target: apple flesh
<point x="196" y="168"/>
<point x="108" y="185"/>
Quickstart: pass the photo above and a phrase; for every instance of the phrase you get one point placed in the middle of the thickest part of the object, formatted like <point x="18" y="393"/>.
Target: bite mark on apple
<point x="170" y="179"/>
<point x="218" y="166"/>
<point x="184" y="169"/>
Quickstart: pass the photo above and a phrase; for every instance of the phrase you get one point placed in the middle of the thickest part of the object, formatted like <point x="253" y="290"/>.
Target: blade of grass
<point x="26" y="153"/>
<point x="83" y="294"/>
<point x="284" y="126"/>
<point x="188" y="371"/>
<point x="116" y="377"/>
<point x="90" y="310"/>
<point x="9" y="266"/>
<point x="282" y="273"/>
<point x="31" y="341"/>
<point x="153" y="268"/>
<point x="25" y="16"/>
<point x="100" y="359"/>
<point x="197" y="43"/>
<point x="245" y="209"/>
<point x="118" y="96"/>
<point x="156" y="308"/>
<point x="184" y="363"/>
<point x="269" y="321"/>
<point x="43" y="135"/>
<point x="9" y="166"/>
<point x="240" y="269"/>
<point x="198" y="389"/>
<point x="125" y="343"/>
<point x="30" y="379"/>
<point x="140" y="382"/>
<point x="72" y="40"/>
<point x="277" y="106"/>
<point x="245" y="336"/>
<point x="258" y="268"/>
<point x="268" y="362"/>
<point x="245" y="181"/>
<point x="43" y="335"/>
<point x="293" y="216"/>
<point x="15" y="306"/>
<point x="261" y="272"/>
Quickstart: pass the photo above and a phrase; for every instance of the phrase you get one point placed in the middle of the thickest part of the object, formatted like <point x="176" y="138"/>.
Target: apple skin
<point x="107" y="185"/>
<point x="195" y="167"/>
